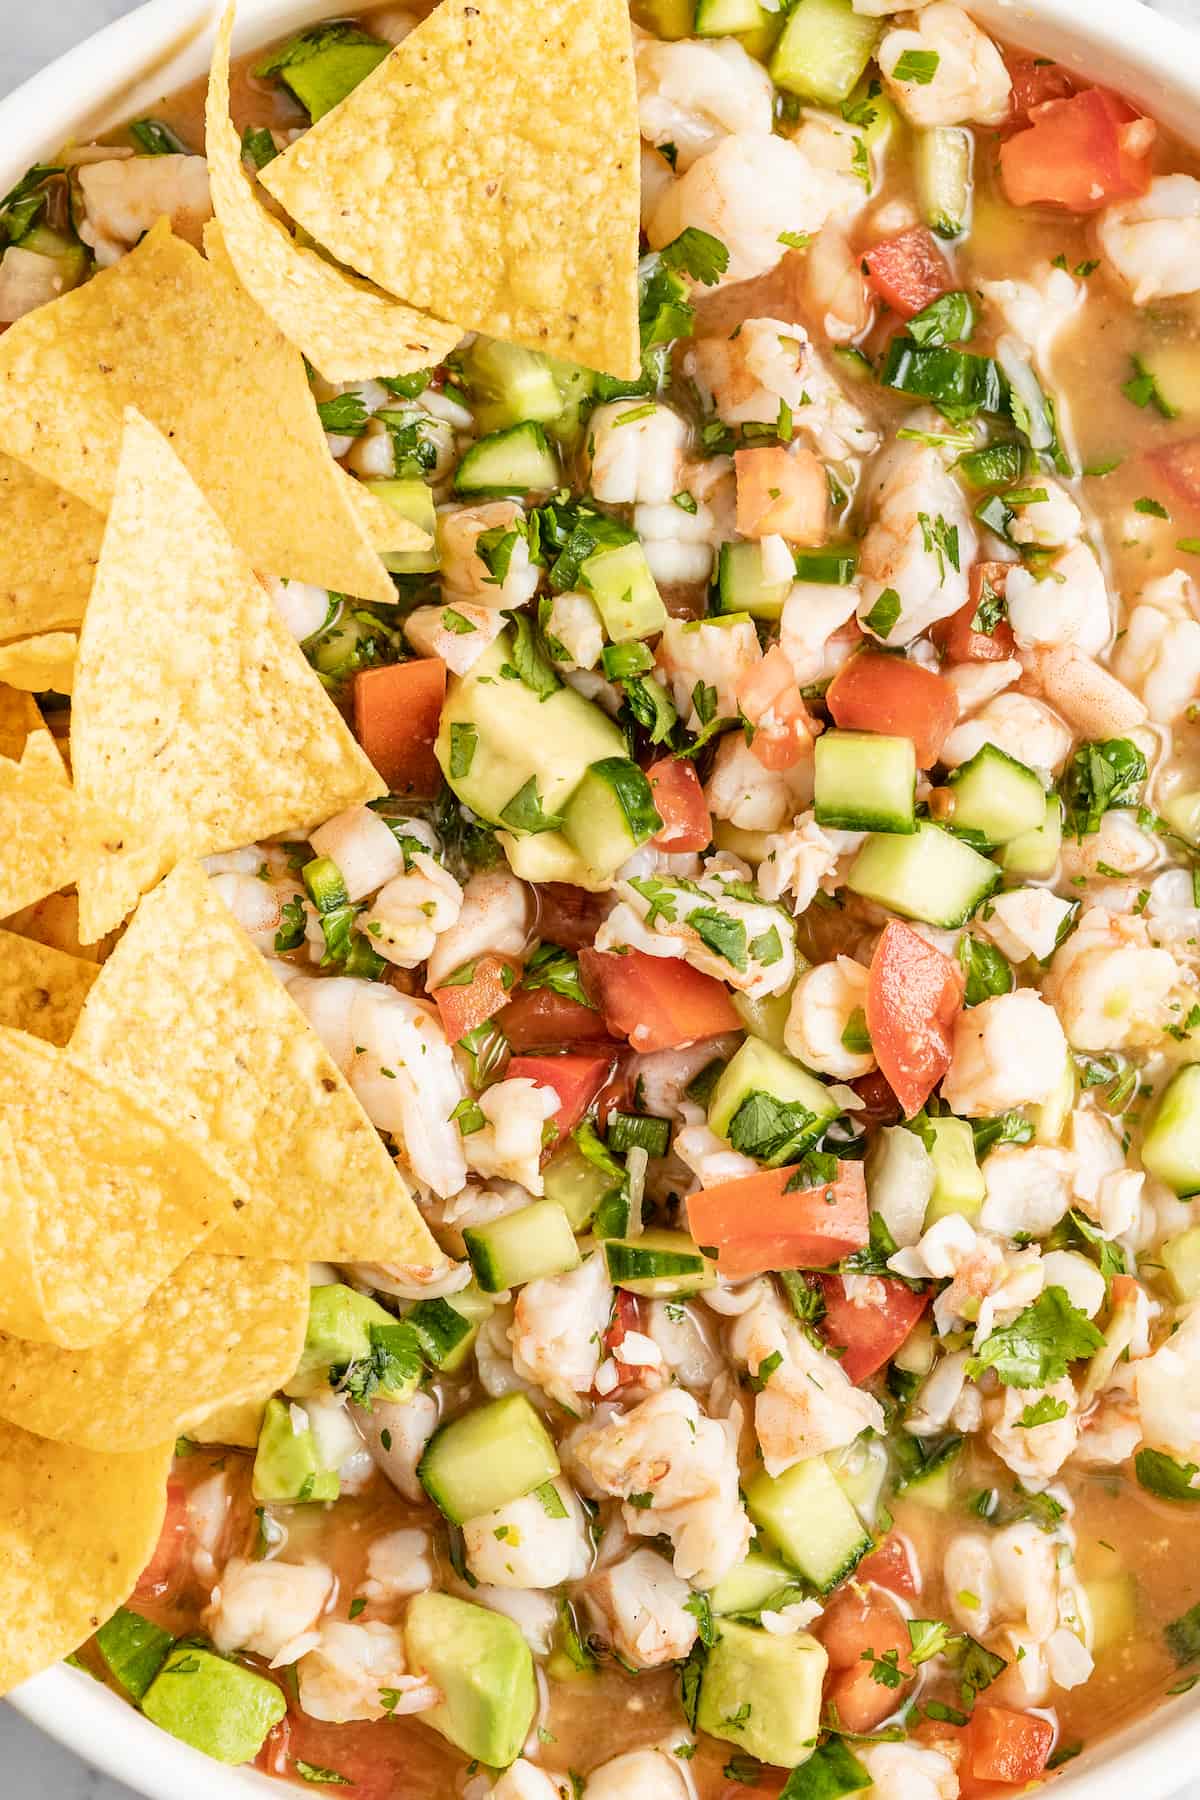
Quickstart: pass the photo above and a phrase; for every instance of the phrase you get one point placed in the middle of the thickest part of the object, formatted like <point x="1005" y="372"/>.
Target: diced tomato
<point x="914" y="995"/>
<point x="909" y="271"/>
<point x="770" y="698"/>
<point x="1009" y="1746"/>
<point x="658" y="1003"/>
<point x="1034" y="81"/>
<point x="755" y="1224"/>
<point x="575" y="1079"/>
<point x="888" y="694"/>
<point x="1081" y="153"/>
<point x="371" y="1758"/>
<point x="858" y="1630"/>
<point x="569" y="916"/>
<point x="880" y="1105"/>
<point x="957" y="638"/>
<point x="538" y="1019"/>
<point x="679" y="797"/>
<point x="465" y="1005"/>
<point x="397" y="711"/>
<point x="892" y="1565"/>
<point x="869" y="1334"/>
<point x="784" y="491"/>
<point x="166" y="1563"/>
<point x="1180" y="467"/>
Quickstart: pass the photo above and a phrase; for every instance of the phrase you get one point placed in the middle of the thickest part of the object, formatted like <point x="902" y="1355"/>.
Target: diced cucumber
<point x="73" y="258"/>
<point x="724" y="18"/>
<point x="620" y="582"/>
<point x="943" y="176"/>
<point x="917" y="1354"/>
<point x="487" y="1457"/>
<point x="935" y="1485"/>
<point x="997" y="796"/>
<point x="766" y="1018"/>
<point x="496" y="735"/>
<point x="1182" y="813"/>
<point x="744" y="584"/>
<point x="958" y="1184"/>
<point x="806" y="1515"/>
<point x="752" y="846"/>
<point x="1176" y="371"/>
<point x="865" y="782"/>
<point x="1112" y="1604"/>
<point x="748" y="1587"/>
<point x="833" y="566"/>
<point x="861" y="1470"/>
<point x="509" y="384"/>
<point x="1034" y="854"/>
<point x="929" y="876"/>
<point x="548" y="857"/>
<point x="758" y="1069"/>
<point x="576" y="391"/>
<point x="611" y="814"/>
<point x="522" y="1246"/>
<point x="824" y="49"/>
<point x="515" y="461"/>
<point x="762" y="1691"/>
<point x="571" y="1180"/>
<point x="413" y="500"/>
<point x="1181" y="1259"/>
<point x="446" y="1329"/>
<point x="1171" y="1147"/>
<point x="661" y="1264"/>
<point x="670" y="19"/>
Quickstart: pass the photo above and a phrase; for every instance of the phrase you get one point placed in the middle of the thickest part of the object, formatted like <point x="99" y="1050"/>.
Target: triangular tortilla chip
<point x="489" y="169"/>
<point x="179" y="338"/>
<point x="213" y="1043"/>
<point x="347" y="329"/>
<point x="99" y="1200"/>
<point x="76" y="1531"/>
<point x="386" y="527"/>
<point x="49" y="546"/>
<point x="194" y="707"/>
<point x="42" y="991"/>
<point x="49" y="836"/>
<point x="218" y="1329"/>
<point x="19" y="716"/>
<point x="41" y="665"/>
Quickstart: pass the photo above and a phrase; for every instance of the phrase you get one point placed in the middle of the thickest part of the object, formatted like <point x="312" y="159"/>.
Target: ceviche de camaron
<point x="600" y="856"/>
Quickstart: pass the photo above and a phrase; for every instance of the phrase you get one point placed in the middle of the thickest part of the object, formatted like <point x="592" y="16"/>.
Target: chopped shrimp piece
<point x="1035" y="1453"/>
<point x="344" y="1675"/>
<point x="636" y="454"/>
<point x="1021" y="727"/>
<point x="716" y="657"/>
<point x="770" y="363"/>
<point x="750" y="796"/>
<point x="410" y="913"/>
<point x="1067" y="604"/>
<point x="814" y="613"/>
<point x="124" y="198"/>
<point x="906" y="1771"/>
<point x="782" y="491"/>
<point x="824" y="1001"/>
<point x="509" y="1144"/>
<point x="640" y="1775"/>
<point x="1089" y="698"/>
<point x="919" y="545"/>
<point x="521" y="1546"/>
<point x="803" y="861"/>
<point x="1159" y="653"/>
<point x="1026" y="922"/>
<point x="693" y="94"/>
<point x="639" y="1608"/>
<point x="399" y="1563"/>
<point x="465" y="575"/>
<point x="1028" y="1191"/>
<point x="771" y="700"/>
<point x="431" y="634"/>
<point x="1110" y="985"/>
<point x="966" y="82"/>
<point x="836" y="286"/>
<point x="1039" y="309"/>
<point x="1153" y="242"/>
<point x="763" y="958"/>
<point x="558" y="1328"/>
<point x="497" y="914"/>
<point x="268" y="1608"/>
<point x="28" y="281"/>
<point x="1010" y="1051"/>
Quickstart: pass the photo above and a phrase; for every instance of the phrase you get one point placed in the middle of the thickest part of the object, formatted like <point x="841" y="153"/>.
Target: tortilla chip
<point x="99" y="1200"/>
<point x="213" y="1043"/>
<point x="218" y="1329"/>
<point x="76" y="1531"/>
<point x="48" y="552"/>
<point x="490" y="169"/>
<point x="41" y="665"/>
<point x="50" y="834"/>
<point x="180" y="339"/>
<point x="194" y="705"/>
<point x="42" y="991"/>
<point x="385" y="525"/>
<point x="348" y="329"/>
<point x="54" y="922"/>
<point x="19" y="716"/>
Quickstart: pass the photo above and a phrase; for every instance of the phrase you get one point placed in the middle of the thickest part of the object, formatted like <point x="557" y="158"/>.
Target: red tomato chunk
<point x="575" y="1079"/>
<point x="1082" y="154"/>
<point x="868" y="1332"/>
<point x="908" y="271"/>
<point x="679" y="798"/>
<point x="756" y="1225"/>
<point x="957" y="637"/>
<point x="901" y="699"/>
<point x="914" y="996"/>
<point x="1003" y="1745"/>
<point x="658" y="1003"/>
<point x="397" y="711"/>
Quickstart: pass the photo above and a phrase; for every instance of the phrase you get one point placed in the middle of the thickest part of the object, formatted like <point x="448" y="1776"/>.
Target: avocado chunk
<point x="763" y="1693"/>
<point x="958" y="1184"/>
<point x="213" y="1705"/>
<point x="338" y="1331"/>
<point x="483" y="1667"/>
<point x="287" y="1464"/>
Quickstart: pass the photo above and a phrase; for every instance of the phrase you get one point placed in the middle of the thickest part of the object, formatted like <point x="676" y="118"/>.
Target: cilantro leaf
<point x="1038" y="1346"/>
<point x="698" y="254"/>
<point x="558" y="970"/>
<point x="1099" y="777"/>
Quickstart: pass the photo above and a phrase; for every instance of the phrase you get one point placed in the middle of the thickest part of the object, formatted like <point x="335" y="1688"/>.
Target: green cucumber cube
<point x="486" y="1457"/>
<point x="620" y="582"/>
<point x="865" y="781"/>
<point x="1171" y="1146"/>
<point x="824" y="49"/>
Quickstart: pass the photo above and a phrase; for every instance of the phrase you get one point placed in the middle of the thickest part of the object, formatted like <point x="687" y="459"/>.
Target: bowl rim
<point x="1151" y="57"/>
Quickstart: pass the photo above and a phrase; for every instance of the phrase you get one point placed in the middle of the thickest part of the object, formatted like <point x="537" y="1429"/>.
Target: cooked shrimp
<point x="268" y="1608"/>
<point x="747" y="943"/>
<point x="1089" y="698"/>
<point x="836" y="286"/>
<point x="639" y="1606"/>
<point x="465" y="575"/>
<point x="1153" y="242"/>
<point x="751" y="797"/>
<point x="410" y="912"/>
<point x="770" y="362"/>
<point x="497" y="914"/>
<point x="123" y="198"/>
<point x="969" y="82"/>
<point x="1066" y="603"/>
<point x="399" y="1563"/>
<point x="574" y="626"/>
<point x="557" y="1330"/>
<point x="459" y="634"/>
<point x="1110" y="985"/>
<point x="509" y="1144"/>
<point x="692" y="94"/>
<point x="919" y="544"/>
<point x="1020" y="726"/>
<point x="697" y="654"/>
<point x="346" y="1674"/>
<point x="803" y="862"/>
<point x="1159" y="653"/>
<point x="523" y="1545"/>
<point x="1009" y="1051"/>
<point x="824" y="1002"/>
<point x="636" y="452"/>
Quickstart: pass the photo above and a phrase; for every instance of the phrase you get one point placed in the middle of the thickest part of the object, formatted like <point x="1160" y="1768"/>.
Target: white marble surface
<point x="30" y="36"/>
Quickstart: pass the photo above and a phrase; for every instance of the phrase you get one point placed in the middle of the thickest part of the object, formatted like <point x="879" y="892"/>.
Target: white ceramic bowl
<point x="124" y="69"/>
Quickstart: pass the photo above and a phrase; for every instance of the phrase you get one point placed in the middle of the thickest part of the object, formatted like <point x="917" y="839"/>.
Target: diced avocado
<point x="620" y="582"/>
<point x="571" y="1180"/>
<point x="763" y="1692"/>
<point x="1171" y="1147"/>
<point x="218" y="1707"/>
<point x="134" y="1649"/>
<point x="509" y="384"/>
<point x="807" y="1516"/>
<point x="484" y="1669"/>
<point x="958" y="1184"/>
<point x="611" y="814"/>
<point x="663" y="1264"/>
<point x="497" y="736"/>
<point x="486" y="1457"/>
<point x="522" y="1246"/>
<point x="767" y="1018"/>
<point x="338" y="1331"/>
<point x="752" y="846"/>
<point x="824" y="49"/>
<point x="748" y="1586"/>
<point x="514" y="461"/>
<point x="1182" y="813"/>
<point x="1181" y="1259"/>
<point x="321" y="80"/>
<point x="758" y="1069"/>
<point x="547" y="856"/>
<point x="1112" y="1603"/>
<point x="287" y="1464"/>
<point x="413" y="500"/>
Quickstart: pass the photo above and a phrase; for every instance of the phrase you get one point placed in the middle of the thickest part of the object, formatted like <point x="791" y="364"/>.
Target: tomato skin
<point x="1179" y="465"/>
<point x="1035" y="81"/>
<point x="397" y="711"/>
<point x="463" y="1008"/>
<point x="869" y="1335"/>
<point x="893" y="1566"/>
<point x="755" y="1225"/>
<point x="914" y="996"/>
<point x="626" y="1318"/>
<point x="167" y="1562"/>
<point x="658" y="1003"/>
<point x="539" y="1019"/>
<point x="575" y="1079"/>
<point x="1077" y="154"/>
<point x="908" y="271"/>
<point x="956" y="636"/>
<point x="679" y="797"/>
<point x="1009" y="1746"/>
<point x="887" y="694"/>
